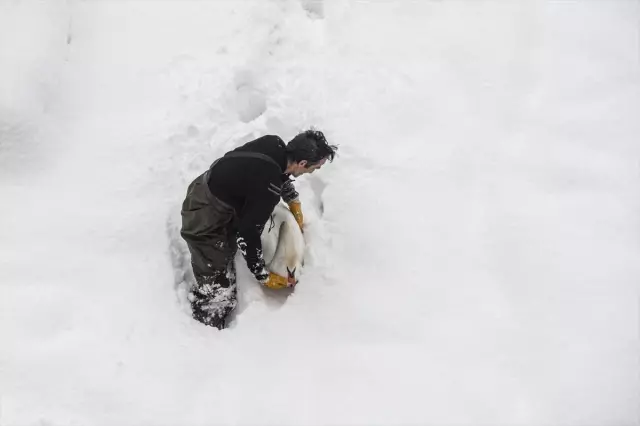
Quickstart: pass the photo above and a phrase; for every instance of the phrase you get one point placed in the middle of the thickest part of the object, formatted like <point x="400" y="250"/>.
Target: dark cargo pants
<point x="207" y="227"/>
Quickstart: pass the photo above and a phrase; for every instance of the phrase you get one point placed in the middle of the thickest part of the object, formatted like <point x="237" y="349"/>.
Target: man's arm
<point x="289" y="193"/>
<point x="252" y="218"/>
<point x="290" y="196"/>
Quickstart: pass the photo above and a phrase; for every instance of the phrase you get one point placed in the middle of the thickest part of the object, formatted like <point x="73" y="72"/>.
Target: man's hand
<point x="276" y="282"/>
<point x="296" y="209"/>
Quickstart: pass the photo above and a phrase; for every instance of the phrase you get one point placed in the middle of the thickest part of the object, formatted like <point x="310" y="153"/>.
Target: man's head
<point x="308" y="152"/>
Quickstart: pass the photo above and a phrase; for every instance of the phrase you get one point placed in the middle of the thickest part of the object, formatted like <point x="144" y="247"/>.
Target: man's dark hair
<point x="310" y="145"/>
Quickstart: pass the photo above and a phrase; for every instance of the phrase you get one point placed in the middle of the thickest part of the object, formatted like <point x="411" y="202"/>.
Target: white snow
<point x="473" y="250"/>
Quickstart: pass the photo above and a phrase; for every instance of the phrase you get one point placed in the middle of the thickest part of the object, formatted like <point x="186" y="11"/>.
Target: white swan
<point x="283" y="244"/>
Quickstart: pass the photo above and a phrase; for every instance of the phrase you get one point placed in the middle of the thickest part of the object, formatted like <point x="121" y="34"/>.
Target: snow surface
<point x="473" y="250"/>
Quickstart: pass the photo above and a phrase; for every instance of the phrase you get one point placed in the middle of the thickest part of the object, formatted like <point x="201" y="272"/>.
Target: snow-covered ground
<point x="473" y="250"/>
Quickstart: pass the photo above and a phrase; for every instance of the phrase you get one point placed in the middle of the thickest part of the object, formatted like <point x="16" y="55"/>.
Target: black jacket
<point x="253" y="187"/>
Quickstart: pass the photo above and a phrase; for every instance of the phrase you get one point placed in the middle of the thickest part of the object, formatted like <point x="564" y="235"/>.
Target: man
<point x="228" y="206"/>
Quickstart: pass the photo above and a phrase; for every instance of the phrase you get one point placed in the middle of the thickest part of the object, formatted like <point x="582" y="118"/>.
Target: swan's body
<point x="283" y="244"/>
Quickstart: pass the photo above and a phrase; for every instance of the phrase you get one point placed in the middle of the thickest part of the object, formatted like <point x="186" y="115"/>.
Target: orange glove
<point x="296" y="209"/>
<point x="276" y="282"/>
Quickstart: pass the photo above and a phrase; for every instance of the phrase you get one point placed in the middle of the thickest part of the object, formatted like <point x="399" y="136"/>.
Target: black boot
<point x="213" y="298"/>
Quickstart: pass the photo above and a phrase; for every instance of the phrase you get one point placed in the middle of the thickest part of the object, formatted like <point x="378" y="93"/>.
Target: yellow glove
<point x="276" y="282"/>
<point x="296" y="209"/>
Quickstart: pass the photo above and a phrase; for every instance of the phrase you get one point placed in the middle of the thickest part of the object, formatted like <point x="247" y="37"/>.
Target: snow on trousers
<point x="207" y="227"/>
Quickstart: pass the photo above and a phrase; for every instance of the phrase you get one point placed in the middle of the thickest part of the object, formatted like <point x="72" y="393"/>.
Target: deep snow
<point x="473" y="250"/>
